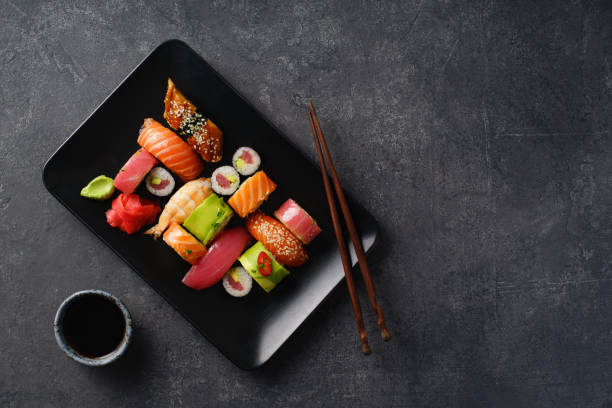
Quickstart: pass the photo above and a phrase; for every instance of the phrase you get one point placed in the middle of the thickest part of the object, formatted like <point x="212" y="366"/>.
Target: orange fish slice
<point x="185" y="244"/>
<point x="170" y="149"/>
<point x="252" y="193"/>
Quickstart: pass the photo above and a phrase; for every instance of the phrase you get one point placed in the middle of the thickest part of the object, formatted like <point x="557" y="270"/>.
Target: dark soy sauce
<point x="93" y="325"/>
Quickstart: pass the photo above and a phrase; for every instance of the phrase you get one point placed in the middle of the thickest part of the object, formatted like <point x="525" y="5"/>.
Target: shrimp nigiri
<point x="181" y="204"/>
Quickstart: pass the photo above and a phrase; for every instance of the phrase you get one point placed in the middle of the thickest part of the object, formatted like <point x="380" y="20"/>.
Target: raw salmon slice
<point x="185" y="244"/>
<point x="252" y="193"/>
<point x="170" y="149"/>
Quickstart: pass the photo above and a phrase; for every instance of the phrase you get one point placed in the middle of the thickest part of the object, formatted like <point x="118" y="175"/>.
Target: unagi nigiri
<point x="181" y="204"/>
<point x="200" y="132"/>
<point x="252" y="193"/>
<point x="170" y="149"/>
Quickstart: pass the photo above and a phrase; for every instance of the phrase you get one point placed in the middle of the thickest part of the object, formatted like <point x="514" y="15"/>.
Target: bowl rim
<point x="72" y="353"/>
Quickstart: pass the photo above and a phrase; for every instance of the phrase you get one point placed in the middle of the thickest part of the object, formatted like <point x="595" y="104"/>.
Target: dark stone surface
<point x="478" y="133"/>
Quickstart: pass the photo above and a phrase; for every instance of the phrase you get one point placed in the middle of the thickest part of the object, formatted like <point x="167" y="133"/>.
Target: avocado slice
<point x="208" y="218"/>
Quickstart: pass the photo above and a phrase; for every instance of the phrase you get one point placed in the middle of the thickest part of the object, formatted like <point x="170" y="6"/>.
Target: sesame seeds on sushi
<point x="225" y="180"/>
<point x="246" y="161"/>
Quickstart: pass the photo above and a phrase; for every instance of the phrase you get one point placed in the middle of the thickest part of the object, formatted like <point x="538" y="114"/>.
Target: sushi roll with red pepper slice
<point x="262" y="266"/>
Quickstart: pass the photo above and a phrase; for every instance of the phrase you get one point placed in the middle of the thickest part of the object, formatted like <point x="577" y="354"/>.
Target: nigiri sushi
<point x="277" y="239"/>
<point x="298" y="221"/>
<point x="251" y="194"/>
<point x="170" y="149"/>
<point x="181" y="204"/>
<point x="220" y="257"/>
<point x="134" y="170"/>
<point x="200" y="132"/>
<point x="189" y="248"/>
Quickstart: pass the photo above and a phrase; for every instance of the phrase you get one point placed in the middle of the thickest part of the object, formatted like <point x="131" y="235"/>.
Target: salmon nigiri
<point x="252" y="193"/>
<point x="189" y="248"/>
<point x="181" y="204"/>
<point x="170" y="149"/>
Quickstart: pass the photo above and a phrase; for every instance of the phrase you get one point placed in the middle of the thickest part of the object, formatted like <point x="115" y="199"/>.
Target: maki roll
<point x="262" y="266"/>
<point x="225" y="180"/>
<point x="160" y="182"/>
<point x="237" y="282"/>
<point x="209" y="218"/>
<point x="246" y="161"/>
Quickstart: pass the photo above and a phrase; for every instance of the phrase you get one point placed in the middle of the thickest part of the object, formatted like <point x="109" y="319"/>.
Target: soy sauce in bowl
<point x="93" y="327"/>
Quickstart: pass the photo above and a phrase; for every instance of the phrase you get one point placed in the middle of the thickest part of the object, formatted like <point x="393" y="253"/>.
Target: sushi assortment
<point x="195" y="220"/>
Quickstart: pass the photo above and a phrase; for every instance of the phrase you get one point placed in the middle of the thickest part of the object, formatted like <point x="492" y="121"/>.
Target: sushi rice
<point x="225" y="180"/>
<point x="160" y="182"/>
<point x="246" y="161"/>
<point x="237" y="282"/>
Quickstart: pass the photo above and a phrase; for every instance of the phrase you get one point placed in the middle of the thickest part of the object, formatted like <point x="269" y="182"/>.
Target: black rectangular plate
<point x="249" y="330"/>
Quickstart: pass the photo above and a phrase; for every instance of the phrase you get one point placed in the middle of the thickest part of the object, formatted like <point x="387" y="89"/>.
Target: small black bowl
<point x="75" y="354"/>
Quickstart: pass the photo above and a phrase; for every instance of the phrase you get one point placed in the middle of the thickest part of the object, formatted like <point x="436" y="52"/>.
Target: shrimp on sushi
<point x="181" y="204"/>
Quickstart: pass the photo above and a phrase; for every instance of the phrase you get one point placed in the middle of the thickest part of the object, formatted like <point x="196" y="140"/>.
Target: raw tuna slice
<point x="220" y="257"/>
<point x="134" y="171"/>
<point x="298" y="221"/>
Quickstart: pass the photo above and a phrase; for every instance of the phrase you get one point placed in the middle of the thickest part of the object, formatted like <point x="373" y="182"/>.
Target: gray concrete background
<point x="477" y="133"/>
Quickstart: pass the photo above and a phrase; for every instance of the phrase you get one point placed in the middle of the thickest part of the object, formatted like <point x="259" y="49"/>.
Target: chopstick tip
<point x="384" y="333"/>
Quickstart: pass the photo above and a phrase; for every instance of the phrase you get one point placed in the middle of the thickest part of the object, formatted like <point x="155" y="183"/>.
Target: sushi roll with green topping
<point x="160" y="182"/>
<point x="225" y="180"/>
<point x="237" y="282"/>
<point x="246" y="161"/>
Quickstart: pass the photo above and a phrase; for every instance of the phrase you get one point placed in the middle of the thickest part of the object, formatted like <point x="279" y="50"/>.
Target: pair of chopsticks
<point x="325" y="158"/>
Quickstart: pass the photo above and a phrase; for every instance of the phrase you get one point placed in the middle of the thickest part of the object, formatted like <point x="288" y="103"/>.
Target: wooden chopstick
<point x="363" y="264"/>
<point x="346" y="262"/>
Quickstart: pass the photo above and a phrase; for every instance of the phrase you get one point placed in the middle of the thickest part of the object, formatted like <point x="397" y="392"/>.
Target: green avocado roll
<point x="209" y="218"/>
<point x="262" y="266"/>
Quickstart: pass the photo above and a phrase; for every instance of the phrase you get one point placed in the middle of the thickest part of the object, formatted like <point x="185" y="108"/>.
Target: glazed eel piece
<point x="199" y="131"/>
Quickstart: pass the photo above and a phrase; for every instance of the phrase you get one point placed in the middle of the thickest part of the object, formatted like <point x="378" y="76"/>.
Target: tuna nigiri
<point x="181" y="204"/>
<point x="134" y="170"/>
<point x="189" y="248"/>
<point x="170" y="149"/>
<point x="277" y="239"/>
<point x="220" y="257"/>
<point x="298" y="221"/>
<point x="200" y="132"/>
<point x="252" y="193"/>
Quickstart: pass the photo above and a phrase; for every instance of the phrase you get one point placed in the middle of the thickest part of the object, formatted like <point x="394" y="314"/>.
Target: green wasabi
<point x="100" y="188"/>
